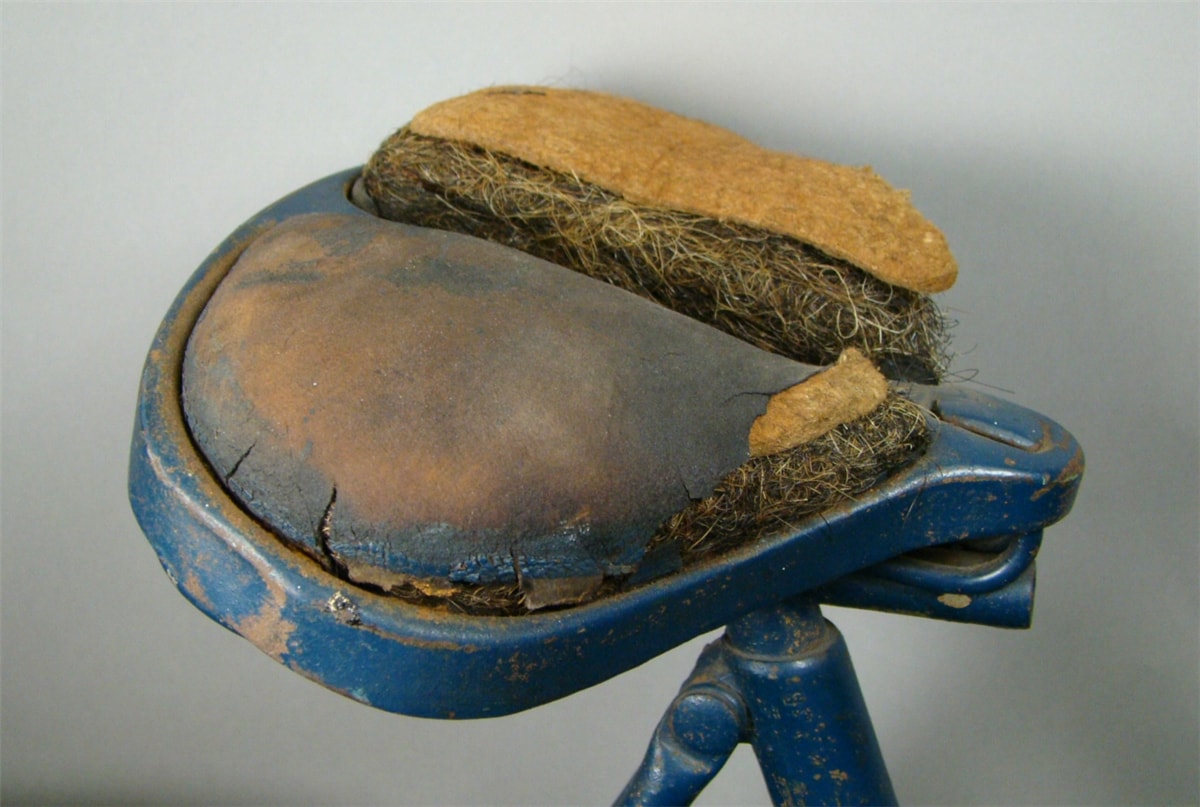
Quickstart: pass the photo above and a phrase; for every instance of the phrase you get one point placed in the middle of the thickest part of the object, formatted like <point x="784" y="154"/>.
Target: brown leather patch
<point x="410" y="403"/>
<point x="654" y="157"/>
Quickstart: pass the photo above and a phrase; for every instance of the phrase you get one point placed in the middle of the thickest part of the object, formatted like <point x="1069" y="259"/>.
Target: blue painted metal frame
<point x="781" y="680"/>
<point x="994" y="470"/>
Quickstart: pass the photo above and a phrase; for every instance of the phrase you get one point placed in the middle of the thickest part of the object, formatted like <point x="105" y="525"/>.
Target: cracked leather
<point x="409" y="403"/>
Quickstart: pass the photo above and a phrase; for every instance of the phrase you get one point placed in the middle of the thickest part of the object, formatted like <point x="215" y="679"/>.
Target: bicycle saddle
<point x="558" y="381"/>
<point x="284" y="502"/>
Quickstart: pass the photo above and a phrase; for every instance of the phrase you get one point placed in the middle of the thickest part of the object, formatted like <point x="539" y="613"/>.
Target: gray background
<point x="1055" y="145"/>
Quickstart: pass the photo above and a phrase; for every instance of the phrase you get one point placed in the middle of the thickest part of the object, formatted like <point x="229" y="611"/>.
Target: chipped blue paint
<point x="993" y="470"/>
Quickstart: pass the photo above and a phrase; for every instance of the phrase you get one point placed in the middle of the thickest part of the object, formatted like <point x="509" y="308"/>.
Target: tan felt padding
<point x="654" y="157"/>
<point x="800" y="414"/>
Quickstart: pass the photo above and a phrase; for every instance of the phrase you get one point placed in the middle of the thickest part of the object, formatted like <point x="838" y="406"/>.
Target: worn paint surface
<point x="780" y="680"/>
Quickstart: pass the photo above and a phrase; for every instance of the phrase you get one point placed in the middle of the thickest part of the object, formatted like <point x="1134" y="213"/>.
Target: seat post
<point x="781" y="680"/>
<point x="809" y="724"/>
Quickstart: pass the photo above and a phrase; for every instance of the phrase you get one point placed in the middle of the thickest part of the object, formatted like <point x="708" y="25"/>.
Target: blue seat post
<point x="781" y="680"/>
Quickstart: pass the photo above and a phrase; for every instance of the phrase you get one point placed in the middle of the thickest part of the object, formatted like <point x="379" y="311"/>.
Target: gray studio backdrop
<point x="1056" y="146"/>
